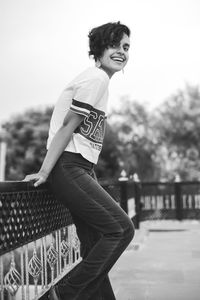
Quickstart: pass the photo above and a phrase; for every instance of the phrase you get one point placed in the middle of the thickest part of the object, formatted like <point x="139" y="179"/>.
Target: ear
<point x="98" y="63"/>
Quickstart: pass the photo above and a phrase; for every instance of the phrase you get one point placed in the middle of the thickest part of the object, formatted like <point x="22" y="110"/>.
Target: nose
<point x="120" y="50"/>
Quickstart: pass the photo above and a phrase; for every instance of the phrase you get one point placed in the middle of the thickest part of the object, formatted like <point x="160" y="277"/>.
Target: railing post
<point x="178" y="200"/>
<point x="3" y="149"/>
<point x="137" y="188"/>
<point x="123" y="191"/>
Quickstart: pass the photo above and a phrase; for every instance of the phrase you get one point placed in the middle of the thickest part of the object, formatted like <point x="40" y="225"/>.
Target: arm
<point x="58" y="144"/>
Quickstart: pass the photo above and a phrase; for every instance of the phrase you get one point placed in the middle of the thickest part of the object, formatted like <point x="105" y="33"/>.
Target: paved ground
<point x="162" y="263"/>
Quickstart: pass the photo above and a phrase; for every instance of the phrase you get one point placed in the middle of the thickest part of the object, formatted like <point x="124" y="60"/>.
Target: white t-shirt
<point x="87" y="95"/>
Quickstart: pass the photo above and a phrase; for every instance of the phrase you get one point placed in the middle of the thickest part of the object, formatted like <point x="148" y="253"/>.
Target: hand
<point x="38" y="178"/>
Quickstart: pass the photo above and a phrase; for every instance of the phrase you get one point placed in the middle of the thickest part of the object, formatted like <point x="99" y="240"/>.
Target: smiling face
<point x="115" y="57"/>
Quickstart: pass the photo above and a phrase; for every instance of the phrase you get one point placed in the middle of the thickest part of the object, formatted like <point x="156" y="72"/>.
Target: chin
<point x="119" y="69"/>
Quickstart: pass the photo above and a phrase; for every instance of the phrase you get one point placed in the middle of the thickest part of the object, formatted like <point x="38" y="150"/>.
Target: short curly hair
<point x="109" y="34"/>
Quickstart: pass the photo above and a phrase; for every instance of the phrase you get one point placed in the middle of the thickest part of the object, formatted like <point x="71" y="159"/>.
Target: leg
<point x="88" y="200"/>
<point x="106" y="290"/>
<point x="88" y="238"/>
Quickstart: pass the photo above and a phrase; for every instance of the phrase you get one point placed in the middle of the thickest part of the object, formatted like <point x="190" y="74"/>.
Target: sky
<point x="44" y="44"/>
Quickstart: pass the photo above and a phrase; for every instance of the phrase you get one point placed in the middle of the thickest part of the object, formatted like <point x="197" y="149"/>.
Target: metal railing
<point x="156" y="200"/>
<point x="38" y="241"/>
<point x="175" y="200"/>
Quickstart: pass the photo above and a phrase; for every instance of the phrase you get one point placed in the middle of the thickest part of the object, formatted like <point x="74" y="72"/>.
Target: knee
<point x="128" y="231"/>
<point x="125" y="231"/>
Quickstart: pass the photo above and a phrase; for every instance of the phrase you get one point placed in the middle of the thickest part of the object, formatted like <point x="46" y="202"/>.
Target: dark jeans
<point x="103" y="228"/>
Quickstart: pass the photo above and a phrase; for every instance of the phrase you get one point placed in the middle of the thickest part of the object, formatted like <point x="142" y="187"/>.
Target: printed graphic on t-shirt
<point x="93" y="128"/>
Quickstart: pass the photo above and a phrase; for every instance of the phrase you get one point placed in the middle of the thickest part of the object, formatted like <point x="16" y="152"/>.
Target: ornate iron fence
<point x="178" y="200"/>
<point x="38" y="241"/>
<point x="156" y="200"/>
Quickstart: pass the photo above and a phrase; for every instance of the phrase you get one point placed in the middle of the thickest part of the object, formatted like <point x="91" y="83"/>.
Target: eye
<point x="126" y="48"/>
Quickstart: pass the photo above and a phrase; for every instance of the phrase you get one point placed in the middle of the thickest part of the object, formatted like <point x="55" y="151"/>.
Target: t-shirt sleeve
<point x="87" y="93"/>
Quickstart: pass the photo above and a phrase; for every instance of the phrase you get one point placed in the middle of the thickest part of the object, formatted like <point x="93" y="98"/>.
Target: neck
<point x="109" y="73"/>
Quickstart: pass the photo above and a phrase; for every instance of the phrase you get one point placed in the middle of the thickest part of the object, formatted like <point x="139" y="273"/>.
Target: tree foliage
<point x="26" y="138"/>
<point x="108" y="164"/>
<point x="136" y="139"/>
<point x="156" y="145"/>
<point x="179" y="127"/>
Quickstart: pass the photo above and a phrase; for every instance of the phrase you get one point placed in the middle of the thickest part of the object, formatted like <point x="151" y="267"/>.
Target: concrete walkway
<point x="162" y="263"/>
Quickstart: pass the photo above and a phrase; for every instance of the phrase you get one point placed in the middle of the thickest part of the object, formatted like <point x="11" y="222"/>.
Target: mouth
<point x="119" y="59"/>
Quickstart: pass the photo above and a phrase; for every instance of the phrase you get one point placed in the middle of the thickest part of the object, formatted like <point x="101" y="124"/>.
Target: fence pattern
<point x="157" y="200"/>
<point x="38" y="241"/>
<point x="39" y="244"/>
<point x="179" y="200"/>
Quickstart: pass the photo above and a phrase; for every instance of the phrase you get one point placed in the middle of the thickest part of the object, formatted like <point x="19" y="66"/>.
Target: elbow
<point x="65" y="122"/>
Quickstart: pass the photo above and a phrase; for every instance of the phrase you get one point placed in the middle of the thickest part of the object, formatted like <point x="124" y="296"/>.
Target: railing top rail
<point x="130" y="182"/>
<point x="15" y="186"/>
<point x="169" y="182"/>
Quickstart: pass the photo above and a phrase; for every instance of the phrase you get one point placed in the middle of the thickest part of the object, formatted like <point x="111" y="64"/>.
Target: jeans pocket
<point x="72" y="172"/>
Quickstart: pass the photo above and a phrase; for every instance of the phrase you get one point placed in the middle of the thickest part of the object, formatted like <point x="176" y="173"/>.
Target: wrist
<point x="44" y="173"/>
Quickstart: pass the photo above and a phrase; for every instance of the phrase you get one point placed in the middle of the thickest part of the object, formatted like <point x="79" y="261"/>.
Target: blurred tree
<point x="108" y="164"/>
<point x="27" y="135"/>
<point x="178" y="121"/>
<point x="137" y="142"/>
<point x="156" y="145"/>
